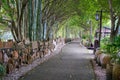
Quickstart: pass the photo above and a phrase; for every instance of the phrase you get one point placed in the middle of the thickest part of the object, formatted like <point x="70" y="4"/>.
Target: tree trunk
<point x="14" y="31"/>
<point x="112" y="35"/>
<point x="35" y="19"/>
<point x="44" y="30"/>
<point x="39" y="19"/>
<point x="30" y="16"/>
<point x="114" y="26"/>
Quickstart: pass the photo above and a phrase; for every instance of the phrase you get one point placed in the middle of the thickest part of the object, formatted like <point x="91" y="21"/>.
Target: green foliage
<point x="116" y="6"/>
<point x="2" y="70"/>
<point x="104" y="42"/>
<point x="113" y="48"/>
<point x="85" y="36"/>
<point x="76" y="12"/>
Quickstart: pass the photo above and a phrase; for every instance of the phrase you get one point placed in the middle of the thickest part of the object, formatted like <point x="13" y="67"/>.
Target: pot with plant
<point x="112" y="48"/>
<point x="116" y="68"/>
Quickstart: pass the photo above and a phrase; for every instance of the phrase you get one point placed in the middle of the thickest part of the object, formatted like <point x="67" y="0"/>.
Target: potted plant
<point x="113" y="49"/>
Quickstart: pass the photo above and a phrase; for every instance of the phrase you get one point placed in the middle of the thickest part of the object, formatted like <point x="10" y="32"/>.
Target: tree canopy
<point x="41" y="19"/>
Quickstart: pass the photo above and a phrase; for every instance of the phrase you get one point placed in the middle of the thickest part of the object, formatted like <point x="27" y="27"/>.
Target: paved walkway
<point x="73" y="63"/>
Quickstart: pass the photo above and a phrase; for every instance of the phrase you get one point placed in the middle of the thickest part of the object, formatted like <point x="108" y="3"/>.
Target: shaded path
<point x="73" y="63"/>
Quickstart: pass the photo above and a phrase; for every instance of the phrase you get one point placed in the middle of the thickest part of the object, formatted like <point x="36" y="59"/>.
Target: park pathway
<point x="72" y="63"/>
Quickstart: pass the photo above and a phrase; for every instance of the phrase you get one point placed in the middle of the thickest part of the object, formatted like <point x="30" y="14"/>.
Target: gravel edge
<point x="100" y="73"/>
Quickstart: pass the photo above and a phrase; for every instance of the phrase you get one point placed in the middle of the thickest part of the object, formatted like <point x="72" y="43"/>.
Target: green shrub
<point x="104" y="42"/>
<point x="2" y="71"/>
<point x="113" y="48"/>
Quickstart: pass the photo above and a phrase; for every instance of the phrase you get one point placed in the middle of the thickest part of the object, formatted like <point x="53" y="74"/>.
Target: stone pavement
<point x="72" y="63"/>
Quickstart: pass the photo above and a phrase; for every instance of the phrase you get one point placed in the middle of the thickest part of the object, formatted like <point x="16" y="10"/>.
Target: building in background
<point x="105" y="32"/>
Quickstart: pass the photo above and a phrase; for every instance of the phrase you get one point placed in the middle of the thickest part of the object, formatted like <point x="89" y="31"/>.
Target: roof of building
<point x="104" y="29"/>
